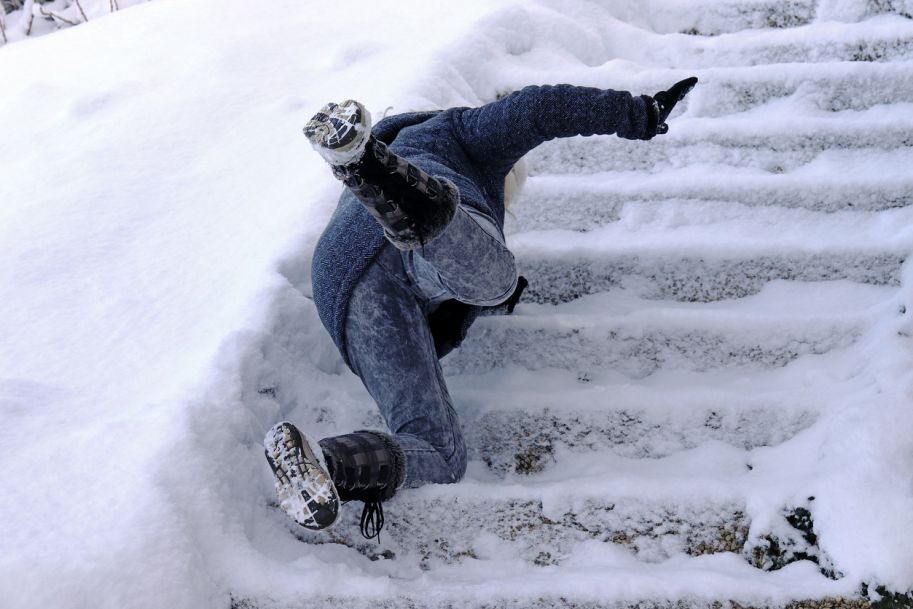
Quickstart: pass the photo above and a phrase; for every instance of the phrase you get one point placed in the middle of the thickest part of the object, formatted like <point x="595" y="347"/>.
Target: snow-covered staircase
<point x="694" y="308"/>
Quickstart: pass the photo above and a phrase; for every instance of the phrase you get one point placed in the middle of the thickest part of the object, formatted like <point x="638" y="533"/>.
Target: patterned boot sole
<point x="304" y="489"/>
<point x="339" y="132"/>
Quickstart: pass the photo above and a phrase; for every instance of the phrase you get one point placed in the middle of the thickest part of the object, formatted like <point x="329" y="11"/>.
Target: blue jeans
<point x="390" y="345"/>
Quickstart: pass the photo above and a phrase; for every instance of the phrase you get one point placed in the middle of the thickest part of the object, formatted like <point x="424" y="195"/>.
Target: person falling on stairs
<point x="413" y="253"/>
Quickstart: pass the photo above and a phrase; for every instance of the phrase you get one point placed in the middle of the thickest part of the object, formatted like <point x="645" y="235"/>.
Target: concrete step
<point x="772" y="150"/>
<point x="637" y="337"/>
<point x="652" y="509"/>
<point x="876" y="40"/>
<point x="701" y="18"/>
<point x="577" y="205"/>
<point x="584" y="203"/>
<point x="714" y="18"/>
<point x="705" y="251"/>
<point x="548" y="593"/>
<point x="829" y="87"/>
<point x="519" y="421"/>
<point x="692" y="277"/>
<point x="712" y="262"/>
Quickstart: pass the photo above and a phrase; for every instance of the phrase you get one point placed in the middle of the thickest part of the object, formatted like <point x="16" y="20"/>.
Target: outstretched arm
<point x="501" y="132"/>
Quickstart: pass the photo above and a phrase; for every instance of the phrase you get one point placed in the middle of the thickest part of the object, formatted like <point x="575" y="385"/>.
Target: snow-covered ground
<point x="716" y="332"/>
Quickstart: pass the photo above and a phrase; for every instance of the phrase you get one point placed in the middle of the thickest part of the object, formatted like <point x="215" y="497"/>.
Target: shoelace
<point x="372" y="520"/>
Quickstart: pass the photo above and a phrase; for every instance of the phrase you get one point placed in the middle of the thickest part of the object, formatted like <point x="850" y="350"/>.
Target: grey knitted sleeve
<point x="501" y="132"/>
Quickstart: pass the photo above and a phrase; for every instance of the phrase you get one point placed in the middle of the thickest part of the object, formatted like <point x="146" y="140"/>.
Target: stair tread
<point x="709" y="230"/>
<point x="758" y="148"/>
<point x="667" y="428"/>
<point x="595" y="576"/>
<point x="870" y="40"/>
<point x="778" y="301"/>
<point x="750" y="333"/>
<point x="603" y="391"/>
<point x="709" y="19"/>
<point x="838" y="166"/>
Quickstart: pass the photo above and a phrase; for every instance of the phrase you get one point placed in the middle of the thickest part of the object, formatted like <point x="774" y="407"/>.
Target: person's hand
<point x="664" y="101"/>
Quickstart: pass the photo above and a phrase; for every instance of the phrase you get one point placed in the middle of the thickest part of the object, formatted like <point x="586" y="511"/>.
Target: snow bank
<point x="154" y="175"/>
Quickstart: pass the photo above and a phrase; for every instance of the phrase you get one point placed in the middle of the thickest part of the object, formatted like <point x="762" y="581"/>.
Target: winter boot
<point x="412" y="207"/>
<point x="366" y="466"/>
<point x="304" y="487"/>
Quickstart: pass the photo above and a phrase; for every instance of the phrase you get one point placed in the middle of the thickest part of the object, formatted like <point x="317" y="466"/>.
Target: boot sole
<point x="304" y="488"/>
<point x="339" y="132"/>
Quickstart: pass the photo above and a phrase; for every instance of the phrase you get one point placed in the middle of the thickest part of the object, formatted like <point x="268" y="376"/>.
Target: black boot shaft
<point x="412" y="206"/>
<point x="364" y="465"/>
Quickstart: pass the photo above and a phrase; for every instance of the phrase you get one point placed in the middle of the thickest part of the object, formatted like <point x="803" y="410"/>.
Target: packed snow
<point x="159" y="205"/>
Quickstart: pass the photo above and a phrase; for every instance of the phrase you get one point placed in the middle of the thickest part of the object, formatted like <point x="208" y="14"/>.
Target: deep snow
<point x="154" y="177"/>
<point x="158" y="204"/>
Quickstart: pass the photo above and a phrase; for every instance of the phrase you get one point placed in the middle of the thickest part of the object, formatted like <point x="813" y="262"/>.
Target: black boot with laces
<point x="313" y="479"/>
<point x="412" y="207"/>
<point x="367" y="466"/>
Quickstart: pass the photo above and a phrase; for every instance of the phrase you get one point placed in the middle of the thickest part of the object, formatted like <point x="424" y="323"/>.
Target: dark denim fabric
<point x="374" y="300"/>
<point x="474" y="148"/>
<point x="390" y="344"/>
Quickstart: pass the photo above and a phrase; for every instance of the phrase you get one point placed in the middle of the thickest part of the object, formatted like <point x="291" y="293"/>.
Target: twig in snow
<point x="3" y="24"/>
<point x="82" y="12"/>
<point x="29" y="8"/>
<point x="54" y="15"/>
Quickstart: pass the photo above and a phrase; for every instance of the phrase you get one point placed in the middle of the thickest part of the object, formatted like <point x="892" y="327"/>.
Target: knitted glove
<point x="660" y="105"/>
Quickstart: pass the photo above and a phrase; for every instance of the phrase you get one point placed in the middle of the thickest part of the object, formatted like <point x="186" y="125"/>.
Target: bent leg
<point x="468" y="261"/>
<point x="391" y="349"/>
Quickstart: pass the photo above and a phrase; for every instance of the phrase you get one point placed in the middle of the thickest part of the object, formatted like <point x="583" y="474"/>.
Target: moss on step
<point x="887" y="599"/>
<point x="795" y="541"/>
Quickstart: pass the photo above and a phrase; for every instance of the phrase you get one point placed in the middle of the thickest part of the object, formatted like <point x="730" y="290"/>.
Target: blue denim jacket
<point x="475" y="148"/>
